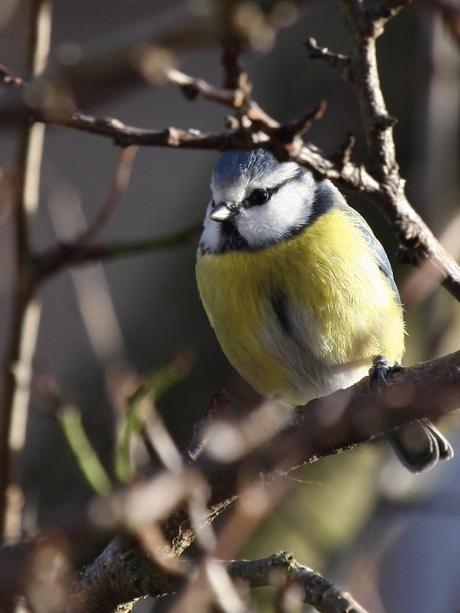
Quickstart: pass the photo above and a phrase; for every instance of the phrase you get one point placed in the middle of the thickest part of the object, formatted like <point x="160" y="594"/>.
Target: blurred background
<point x="391" y="539"/>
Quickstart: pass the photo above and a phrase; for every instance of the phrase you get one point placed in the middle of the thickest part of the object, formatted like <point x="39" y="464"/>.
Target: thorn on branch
<point x="340" y="62"/>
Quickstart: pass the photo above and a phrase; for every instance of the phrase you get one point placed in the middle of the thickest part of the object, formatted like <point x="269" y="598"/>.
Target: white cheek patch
<point x="288" y="208"/>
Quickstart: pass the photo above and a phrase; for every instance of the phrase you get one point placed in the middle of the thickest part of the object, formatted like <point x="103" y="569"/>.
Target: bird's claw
<point x="381" y="369"/>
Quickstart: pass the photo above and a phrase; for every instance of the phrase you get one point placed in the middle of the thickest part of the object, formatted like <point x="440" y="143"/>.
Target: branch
<point x="118" y="62"/>
<point x="340" y="62"/>
<point x="325" y="426"/>
<point x="119" y="186"/>
<point x="281" y="568"/>
<point x="80" y="254"/>
<point x="25" y="309"/>
<point x="382" y="183"/>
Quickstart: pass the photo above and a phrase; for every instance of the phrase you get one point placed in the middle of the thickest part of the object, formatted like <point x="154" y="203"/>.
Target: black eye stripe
<point x="272" y="190"/>
<point x="250" y="200"/>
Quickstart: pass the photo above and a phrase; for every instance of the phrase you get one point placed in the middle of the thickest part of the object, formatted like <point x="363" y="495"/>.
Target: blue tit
<point x="299" y="291"/>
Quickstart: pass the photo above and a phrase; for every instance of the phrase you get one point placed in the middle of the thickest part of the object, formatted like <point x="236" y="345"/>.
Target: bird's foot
<point x="381" y="369"/>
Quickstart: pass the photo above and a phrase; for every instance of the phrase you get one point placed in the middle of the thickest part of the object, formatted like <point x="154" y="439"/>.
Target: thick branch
<point x="325" y="426"/>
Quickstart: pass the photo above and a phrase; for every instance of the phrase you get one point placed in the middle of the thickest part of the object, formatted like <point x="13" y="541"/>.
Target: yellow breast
<point x="341" y="310"/>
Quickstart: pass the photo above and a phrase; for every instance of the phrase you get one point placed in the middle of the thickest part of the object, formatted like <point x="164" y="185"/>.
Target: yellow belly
<point x="342" y="310"/>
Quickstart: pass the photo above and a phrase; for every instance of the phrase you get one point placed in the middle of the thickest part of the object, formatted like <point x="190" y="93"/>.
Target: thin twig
<point x="8" y="78"/>
<point x="25" y="308"/>
<point x="76" y="254"/>
<point x="281" y="567"/>
<point x="340" y="62"/>
<point x="119" y="186"/>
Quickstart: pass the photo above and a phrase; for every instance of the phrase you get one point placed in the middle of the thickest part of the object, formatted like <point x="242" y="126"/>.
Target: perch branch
<point x="325" y="426"/>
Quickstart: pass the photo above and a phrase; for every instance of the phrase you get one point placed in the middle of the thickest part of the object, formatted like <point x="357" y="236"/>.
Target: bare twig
<point x="119" y="186"/>
<point x="76" y="254"/>
<point x="388" y="194"/>
<point x="8" y="78"/>
<point x="281" y="568"/>
<point x="380" y="14"/>
<point x="381" y="183"/>
<point x="25" y="313"/>
<point x="340" y="62"/>
<point x="323" y="427"/>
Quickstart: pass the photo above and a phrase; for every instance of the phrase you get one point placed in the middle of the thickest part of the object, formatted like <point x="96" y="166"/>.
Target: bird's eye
<point x="259" y="197"/>
<point x="213" y="204"/>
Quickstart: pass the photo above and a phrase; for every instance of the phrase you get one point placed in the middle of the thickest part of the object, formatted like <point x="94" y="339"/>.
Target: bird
<point x="299" y="291"/>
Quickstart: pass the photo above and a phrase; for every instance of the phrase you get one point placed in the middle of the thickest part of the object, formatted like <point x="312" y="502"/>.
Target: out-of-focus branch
<point x="281" y="569"/>
<point x="342" y="420"/>
<point x="119" y="185"/>
<point x="323" y="427"/>
<point x="129" y="58"/>
<point x="113" y="64"/>
<point x="25" y="309"/>
<point x="79" y="254"/>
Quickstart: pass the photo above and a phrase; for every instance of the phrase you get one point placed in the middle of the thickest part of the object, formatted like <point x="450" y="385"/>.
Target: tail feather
<point x="420" y="445"/>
